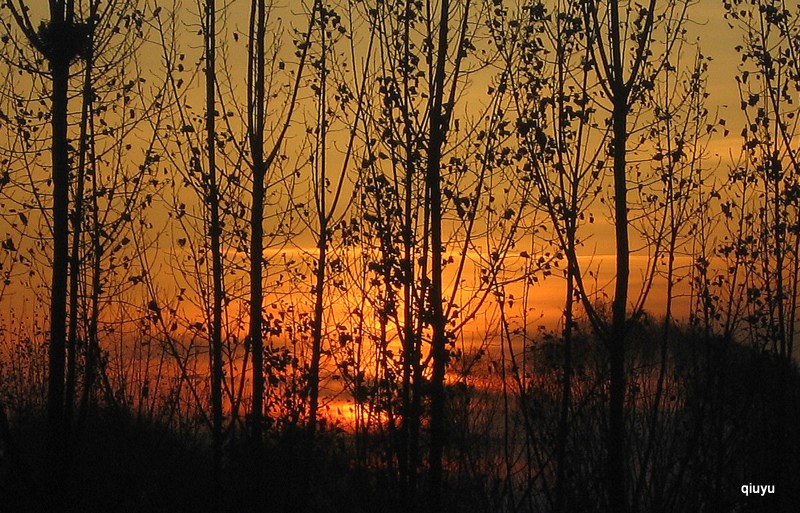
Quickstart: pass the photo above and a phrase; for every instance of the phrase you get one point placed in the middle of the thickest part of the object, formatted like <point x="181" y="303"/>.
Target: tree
<point x="621" y="40"/>
<point x="110" y="198"/>
<point x="426" y="188"/>
<point x="768" y="80"/>
<point x="763" y="248"/>
<point x="605" y="58"/>
<point x="200" y="172"/>
<point x="215" y="234"/>
<point x="75" y="33"/>
<point x="60" y="40"/>
<point x="261" y="165"/>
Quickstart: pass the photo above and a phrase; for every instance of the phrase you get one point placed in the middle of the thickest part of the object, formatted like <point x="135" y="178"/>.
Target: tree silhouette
<point x="414" y="255"/>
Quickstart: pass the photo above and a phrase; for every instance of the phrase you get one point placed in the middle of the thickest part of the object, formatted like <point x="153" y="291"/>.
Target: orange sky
<point x="707" y="24"/>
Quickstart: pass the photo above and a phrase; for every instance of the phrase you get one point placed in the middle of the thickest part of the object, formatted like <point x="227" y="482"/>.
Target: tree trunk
<point x="255" y="107"/>
<point x="77" y="226"/>
<point x="215" y="230"/>
<point x="439" y="336"/>
<point x="59" y="68"/>
<point x="320" y="163"/>
<point x="616" y="423"/>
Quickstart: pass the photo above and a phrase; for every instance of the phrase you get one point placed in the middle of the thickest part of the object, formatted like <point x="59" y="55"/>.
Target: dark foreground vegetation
<point x="710" y="417"/>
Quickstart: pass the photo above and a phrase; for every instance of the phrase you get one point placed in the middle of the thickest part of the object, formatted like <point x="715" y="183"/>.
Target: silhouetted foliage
<point x="466" y="255"/>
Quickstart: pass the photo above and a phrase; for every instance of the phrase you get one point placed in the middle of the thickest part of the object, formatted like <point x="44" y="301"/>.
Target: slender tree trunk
<point x="92" y="343"/>
<point x="616" y="441"/>
<point x="322" y="255"/>
<point x="316" y="347"/>
<point x="77" y="226"/>
<point x="566" y="390"/>
<point x="410" y="414"/>
<point x="439" y="336"/>
<point x="215" y="229"/>
<point x="570" y="221"/>
<point x="618" y="501"/>
<point x="411" y="398"/>
<point x="59" y="68"/>
<point x="320" y="162"/>
<point x="255" y="106"/>
<point x="91" y="367"/>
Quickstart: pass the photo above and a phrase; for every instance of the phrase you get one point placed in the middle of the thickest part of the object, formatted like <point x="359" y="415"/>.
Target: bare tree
<point x="429" y="168"/>
<point x="60" y="40"/>
<point x="606" y="58"/>
<point x="762" y="251"/>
